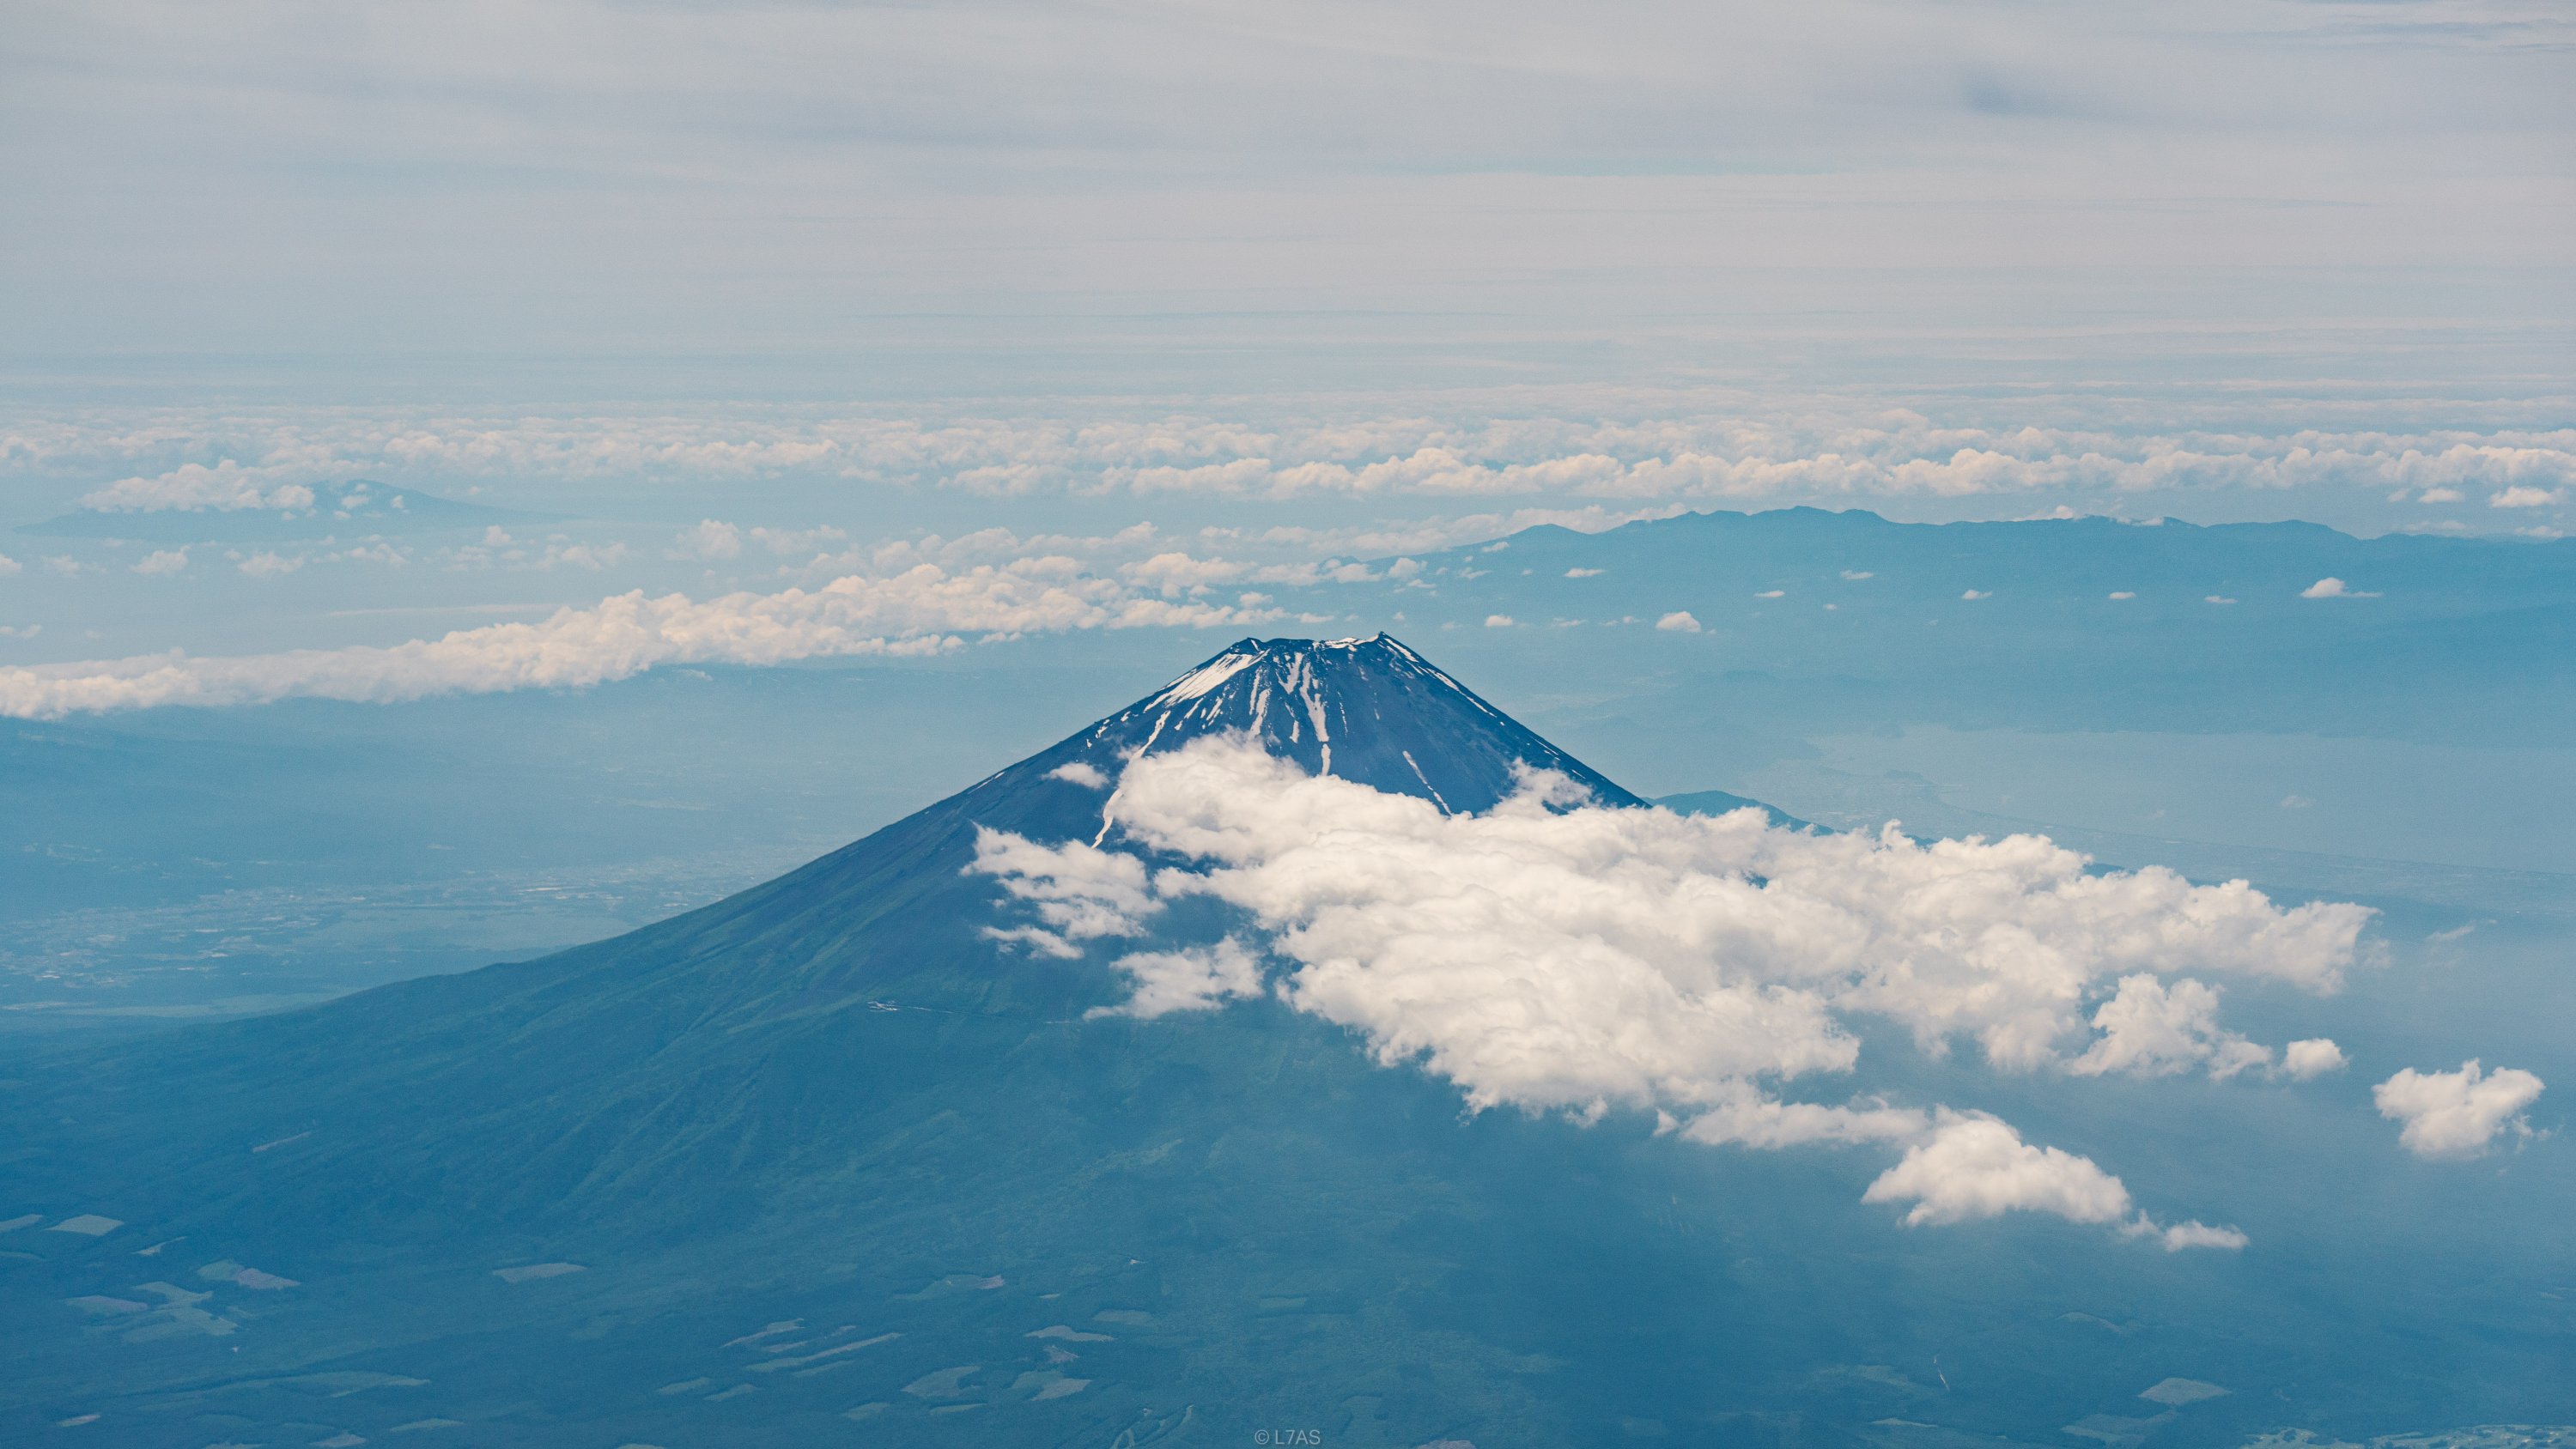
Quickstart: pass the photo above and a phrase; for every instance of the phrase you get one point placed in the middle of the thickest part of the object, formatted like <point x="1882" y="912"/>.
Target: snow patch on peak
<point x="1370" y="710"/>
<point x="1209" y="676"/>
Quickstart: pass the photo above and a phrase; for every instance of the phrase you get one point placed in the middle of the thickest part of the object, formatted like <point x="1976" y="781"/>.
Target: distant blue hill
<point x="1802" y="622"/>
<point x="357" y="507"/>
<point x="1721" y="802"/>
<point x="2168" y="564"/>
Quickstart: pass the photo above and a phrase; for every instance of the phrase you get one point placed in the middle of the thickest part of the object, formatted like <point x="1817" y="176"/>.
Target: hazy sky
<point x="613" y="199"/>
<point x="1287" y="283"/>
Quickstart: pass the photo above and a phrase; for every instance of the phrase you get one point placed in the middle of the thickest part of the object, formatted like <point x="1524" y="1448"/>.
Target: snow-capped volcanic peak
<point x="1370" y="710"/>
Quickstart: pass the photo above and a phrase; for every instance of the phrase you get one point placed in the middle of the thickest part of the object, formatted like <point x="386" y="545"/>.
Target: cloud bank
<point x="1764" y="453"/>
<point x="921" y="610"/>
<point x="1555" y="956"/>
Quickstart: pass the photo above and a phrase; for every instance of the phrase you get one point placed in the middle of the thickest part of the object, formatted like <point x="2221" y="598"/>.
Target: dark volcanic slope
<point x="655" y="1077"/>
<point x="836" y="1073"/>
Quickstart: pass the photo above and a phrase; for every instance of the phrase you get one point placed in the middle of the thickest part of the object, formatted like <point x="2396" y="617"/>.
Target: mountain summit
<point x="1367" y="710"/>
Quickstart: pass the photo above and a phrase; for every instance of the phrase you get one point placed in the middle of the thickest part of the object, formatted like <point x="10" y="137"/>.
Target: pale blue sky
<point x="541" y="199"/>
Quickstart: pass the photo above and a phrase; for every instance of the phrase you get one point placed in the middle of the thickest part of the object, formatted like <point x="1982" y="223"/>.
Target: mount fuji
<point x="826" y="1162"/>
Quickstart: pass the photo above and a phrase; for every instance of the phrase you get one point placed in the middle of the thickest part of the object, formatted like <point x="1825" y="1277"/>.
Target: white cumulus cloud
<point x="163" y="561"/>
<point x="1551" y="955"/>
<point x="2523" y="496"/>
<point x="2456" y="1114"/>
<point x="268" y="565"/>
<point x="225" y="487"/>
<point x="1680" y="621"/>
<point x="1973" y="1166"/>
<point x="711" y="539"/>
<point x="1193" y="978"/>
<point x="2314" y="1057"/>
<point x="2154" y="1028"/>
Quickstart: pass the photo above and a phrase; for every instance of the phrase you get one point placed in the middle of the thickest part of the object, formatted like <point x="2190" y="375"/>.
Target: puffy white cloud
<point x="268" y="565"/>
<point x="714" y="539"/>
<point x="2522" y="496"/>
<point x="8" y="566"/>
<point x="1580" y="573"/>
<point x="1080" y="773"/>
<point x="2333" y="588"/>
<point x="1498" y="621"/>
<point x="1680" y="621"/>
<point x="2456" y="1114"/>
<point x="1552" y="955"/>
<point x="1080" y="892"/>
<point x="594" y="557"/>
<point x="711" y="539"/>
<point x="1973" y="1166"/>
<point x="1743" y="1116"/>
<point x="2150" y="1028"/>
<point x="227" y="487"/>
<point x="924" y="609"/>
<point x="2314" y="1057"/>
<point x="163" y="561"/>
<point x="1977" y="594"/>
<point x="1744" y="939"/>
<point x="1194" y="978"/>
<point x="2197" y="1234"/>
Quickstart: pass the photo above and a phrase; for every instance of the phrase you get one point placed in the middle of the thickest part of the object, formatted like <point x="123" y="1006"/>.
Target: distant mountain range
<point x="358" y="507"/>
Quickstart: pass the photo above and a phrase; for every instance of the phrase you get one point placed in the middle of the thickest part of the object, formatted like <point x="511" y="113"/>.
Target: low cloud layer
<point x="2459" y="1113"/>
<point x="1561" y="957"/>
<point x="921" y="610"/>
<point x="1763" y="454"/>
